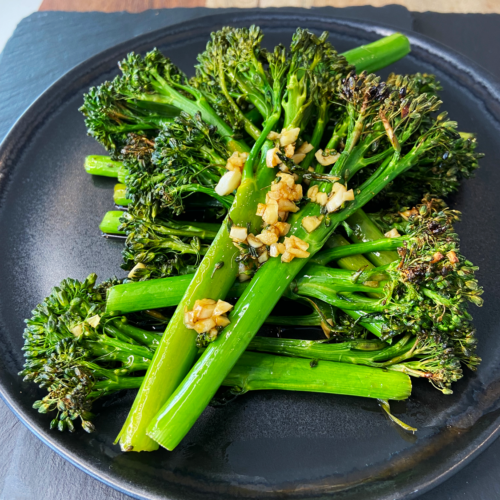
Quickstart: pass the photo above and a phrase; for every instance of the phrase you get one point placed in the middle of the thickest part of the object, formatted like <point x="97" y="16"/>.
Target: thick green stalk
<point x="102" y="165"/>
<point x="120" y="195"/>
<point x="203" y="230"/>
<point x="337" y="253"/>
<point x="379" y="54"/>
<point x="257" y="371"/>
<point x="374" y="353"/>
<point x="111" y="222"/>
<point x="264" y="372"/>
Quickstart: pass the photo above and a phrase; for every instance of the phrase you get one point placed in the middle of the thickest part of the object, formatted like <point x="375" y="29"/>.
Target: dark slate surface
<point x="44" y="46"/>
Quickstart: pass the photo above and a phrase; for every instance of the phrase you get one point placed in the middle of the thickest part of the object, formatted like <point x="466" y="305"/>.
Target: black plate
<point x="263" y="445"/>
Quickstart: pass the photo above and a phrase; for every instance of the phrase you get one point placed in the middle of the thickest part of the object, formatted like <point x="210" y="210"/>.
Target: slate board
<point x="46" y="45"/>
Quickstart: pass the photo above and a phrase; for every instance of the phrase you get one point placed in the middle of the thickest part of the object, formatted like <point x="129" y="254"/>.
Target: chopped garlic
<point x="283" y="216"/>
<point x="295" y="247"/>
<point x="222" y="321"/>
<point x="295" y="242"/>
<point x="204" y="325"/>
<point x="312" y="192"/>
<point x="282" y="227"/>
<point x="133" y="273"/>
<point x="327" y="157"/>
<point x="272" y="158"/>
<point x="276" y="249"/>
<point x="305" y="147"/>
<point x="336" y="199"/>
<point x="287" y="206"/>
<point x="349" y="195"/>
<point x="222" y="307"/>
<point x="289" y="136"/>
<point x="253" y="241"/>
<point x="297" y="252"/>
<point x="273" y="136"/>
<point x="228" y="182"/>
<point x="393" y="233"/>
<point x="263" y="257"/>
<point x="207" y="314"/>
<point x="77" y="330"/>
<point x="311" y="222"/>
<point x="298" y="157"/>
<point x="267" y="237"/>
<point x="261" y="208"/>
<point x="270" y="215"/>
<point x="236" y="161"/>
<point x="238" y="233"/>
<point x="289" y="150"/>
<point x="94" y="321"/>
<point x="322" y="199"/>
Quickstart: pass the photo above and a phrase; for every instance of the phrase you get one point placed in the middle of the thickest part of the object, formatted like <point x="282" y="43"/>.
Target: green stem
<point x="379" y="54"/>
<point x="204" y="230"/>
<point x="360" y="352"/>
<point x="379" y="245"/>
<point x="120" y="195"/>
<point x="256" y="371"/>
<point x="265" y="372"/>
<point x="102" y="165"/>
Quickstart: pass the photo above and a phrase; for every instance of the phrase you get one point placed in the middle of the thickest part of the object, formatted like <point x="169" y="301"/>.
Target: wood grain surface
<point x="450" y="6"/>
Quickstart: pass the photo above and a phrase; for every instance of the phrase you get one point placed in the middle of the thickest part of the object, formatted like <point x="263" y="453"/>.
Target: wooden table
<point x="449" y="6"/>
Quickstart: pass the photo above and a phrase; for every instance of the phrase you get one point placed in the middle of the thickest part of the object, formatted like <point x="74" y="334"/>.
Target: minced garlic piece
<point x="327" y="157"/>
<point x="339" y="195"/>
<point x="94" y="321"/>
<point x="295" y="247"/>
<point x="236" y="161"/>
<point x="289" y="150"/>
<point x="273" y="136"/>
<point x="304" y="148"/>
<point x="393" y="233"/>
<point x="272" y="158"/>
<point x="311" y="222"/>
<point x="289" y="136"/>
<point x="238" y="233"/>
<point x="267" y="237"/>
<point x="207" y="315"/>
<point x="298" y="157"/>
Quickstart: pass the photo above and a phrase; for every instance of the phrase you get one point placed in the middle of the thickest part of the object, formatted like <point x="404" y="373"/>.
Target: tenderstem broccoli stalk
<point x="376" y="111"/>
<point x="178" y="341"/>
<point x="257" y="371"/>
<point x="112" y="221"/>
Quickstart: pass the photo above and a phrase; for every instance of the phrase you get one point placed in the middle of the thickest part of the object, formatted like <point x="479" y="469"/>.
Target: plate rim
<point x="462" y="69"/>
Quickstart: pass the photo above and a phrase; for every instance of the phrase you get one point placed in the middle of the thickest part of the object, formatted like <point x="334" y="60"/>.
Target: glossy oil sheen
<point x="268" y="444"/>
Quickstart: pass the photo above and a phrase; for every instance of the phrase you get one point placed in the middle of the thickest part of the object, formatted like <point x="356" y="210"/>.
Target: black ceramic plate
<point x="263" y="445"/>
